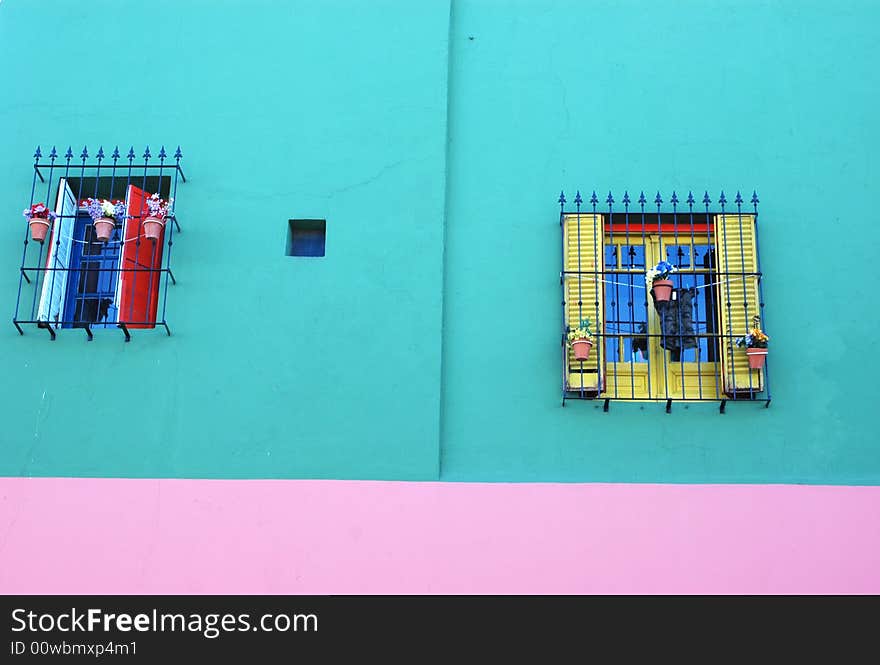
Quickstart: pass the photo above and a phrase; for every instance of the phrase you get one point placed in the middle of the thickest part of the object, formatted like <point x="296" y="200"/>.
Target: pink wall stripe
<point x="333" y="537"/>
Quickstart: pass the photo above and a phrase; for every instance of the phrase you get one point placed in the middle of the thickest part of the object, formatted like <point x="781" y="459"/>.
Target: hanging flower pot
<point x="39" y="228"/>
<point x="104" y="228"/>
<point x="657" y="278"/>
<point x="581" y="340"/>
<point x="155" y="221"/>
<point x="153" y="227"/>
<point x="756" y="357"/>
<point x="105" y="215"/>
<point x="662" y="289"/>
<point x="756" y="344"/>
<point x="581" y="348"/>
<point x="40" y="220"/>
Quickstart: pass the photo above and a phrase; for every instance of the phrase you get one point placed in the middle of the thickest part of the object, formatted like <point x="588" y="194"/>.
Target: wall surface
<point x="339" y="110"/>
<point x="434" y="137"/>
<point x="331" y="537"/>
<point x="774" y="96"/>
<point x="331" y="110"/>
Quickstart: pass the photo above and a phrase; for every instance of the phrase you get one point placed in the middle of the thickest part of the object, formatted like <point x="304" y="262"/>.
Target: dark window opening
<point x="91" y="294"/>
<point x="306" y="237"/>
<point x="107" y="187"/>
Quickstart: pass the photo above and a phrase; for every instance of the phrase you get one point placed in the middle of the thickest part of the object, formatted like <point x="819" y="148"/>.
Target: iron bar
<point x="632" y="296"/>
<point x="600" y="348"/>
<point x="678" y="314"/>
<point x="562" y="282"/>
<point x="755" y="201"/>
<point x="617" y="340"/>
<point x="742" y="255"/>
<point x="723" y="201"/>
<point x="658" y="201"/>
<point x="642" y="201"/>
<point x="699" y="349"/>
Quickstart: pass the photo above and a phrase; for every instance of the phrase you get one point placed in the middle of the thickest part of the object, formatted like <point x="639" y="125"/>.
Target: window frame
<point x="707" y="376"/>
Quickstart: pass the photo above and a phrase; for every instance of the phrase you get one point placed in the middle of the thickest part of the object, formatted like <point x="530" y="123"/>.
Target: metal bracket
<point x="167" y="329"/>
<point x="125" y="331"/>
<point x="605" y="407"/>
<point x="88" y="332"/>
<point x="669" y="406"/>
<point x="51" y="330"/>
<point x="721" y="409"/>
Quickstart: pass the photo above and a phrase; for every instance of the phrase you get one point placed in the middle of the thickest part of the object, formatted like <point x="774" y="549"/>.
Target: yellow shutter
<point x="738" y="301"/>
<point x="583" y="247"/>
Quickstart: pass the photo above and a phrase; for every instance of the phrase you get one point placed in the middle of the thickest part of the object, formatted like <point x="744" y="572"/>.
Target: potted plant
<point x="155" y="221"/>
<point x="105" y="214"/>
<point x="39" y="218"/>
<point x="657" y="279"/>
<point x="756" y="342"/>
<point x="581" y="340"/>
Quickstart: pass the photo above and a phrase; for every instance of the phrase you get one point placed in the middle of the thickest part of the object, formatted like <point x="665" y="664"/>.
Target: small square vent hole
<point x="306" y="237"/>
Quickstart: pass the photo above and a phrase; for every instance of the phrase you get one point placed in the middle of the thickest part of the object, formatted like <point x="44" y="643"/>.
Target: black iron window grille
<point x="72" y="278"/>
<point x="679" y="343"/>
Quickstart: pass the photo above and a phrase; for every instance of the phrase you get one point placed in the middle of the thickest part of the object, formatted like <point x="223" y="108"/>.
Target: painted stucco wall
<point x="111" y="536"/>
<point x="340" y="110"/>
<point x="775" y="96"/>
<point x="277" y="366"/>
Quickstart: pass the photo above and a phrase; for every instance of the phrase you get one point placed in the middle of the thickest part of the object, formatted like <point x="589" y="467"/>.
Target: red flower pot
<point x="756" y="357"/>
<point x="581" y="348"/>
<point x="153" y="227"/>
<point x="662" y="290"/>
<point x="39" y="228"/>
<point x="104" y="228"/>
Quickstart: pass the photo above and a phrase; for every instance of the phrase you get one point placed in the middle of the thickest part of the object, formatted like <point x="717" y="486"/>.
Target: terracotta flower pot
<point x="662" y="289"/>
<point x="581" y="348"/>
<point x="104" y="228"/>
<point x="39" y="228"/>
<point x="756" y="357"/>
<point x="153" y="227"/>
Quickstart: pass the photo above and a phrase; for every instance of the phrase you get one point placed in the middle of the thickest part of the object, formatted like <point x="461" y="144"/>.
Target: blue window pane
<point x="610" y="257"/>
<point x="704" y="256"/>
<point x="634" y="256"/>
<point x="679" y="255"/>
<point x="626" y="317"/>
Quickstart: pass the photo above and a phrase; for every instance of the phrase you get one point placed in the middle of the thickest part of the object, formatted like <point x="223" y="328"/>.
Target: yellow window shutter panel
<point x="738" y="300"/>
<point x="583" y="248"/>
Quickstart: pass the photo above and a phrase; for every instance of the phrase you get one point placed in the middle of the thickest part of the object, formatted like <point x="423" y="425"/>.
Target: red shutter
<point x="139" y="289"/>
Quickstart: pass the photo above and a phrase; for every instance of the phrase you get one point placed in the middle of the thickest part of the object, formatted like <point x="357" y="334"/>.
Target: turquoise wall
<point x="442" y="231"/>
<point x="777" y="96"/>
<point x="278" y="366"/>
